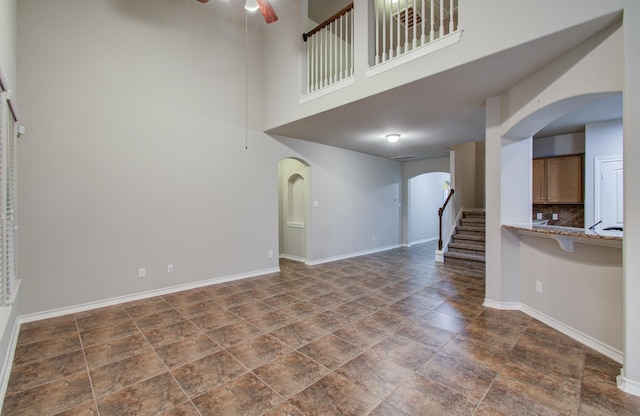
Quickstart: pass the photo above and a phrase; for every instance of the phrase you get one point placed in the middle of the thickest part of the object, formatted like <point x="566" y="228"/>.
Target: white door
<point x="611" y="195"/>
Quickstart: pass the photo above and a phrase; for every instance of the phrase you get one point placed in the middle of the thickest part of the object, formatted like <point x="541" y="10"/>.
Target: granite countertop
<point x="566" y="236"/>
<point x="568" y="231"/>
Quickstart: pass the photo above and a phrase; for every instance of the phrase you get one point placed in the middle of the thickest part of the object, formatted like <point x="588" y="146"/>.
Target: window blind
<point x="8" y="198"/>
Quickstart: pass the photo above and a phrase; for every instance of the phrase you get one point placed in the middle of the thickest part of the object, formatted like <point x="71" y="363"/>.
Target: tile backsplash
<point x="569" y="215"/>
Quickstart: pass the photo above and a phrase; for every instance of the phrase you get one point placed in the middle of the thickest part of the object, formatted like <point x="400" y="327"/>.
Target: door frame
<point x="598" y="161"/>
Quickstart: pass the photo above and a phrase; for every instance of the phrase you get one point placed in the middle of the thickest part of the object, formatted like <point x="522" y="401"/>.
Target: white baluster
<point x="415" y="25"/>
<point x="441" y="18"/>
<point x="308" y="45"/>
<point x="406" y="26"/>
<point x="384" y="31"/>
<point x="377" y="42"/>
<point x="451" y="28"/>
<point x="423" y="36"/>
<point x="317" y="65"/>
<point x="398" y="41"/>
<point x="431" y="17"/>
<point x="352" y="40"/>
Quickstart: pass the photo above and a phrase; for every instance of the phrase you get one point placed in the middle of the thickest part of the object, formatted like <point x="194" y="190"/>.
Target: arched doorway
<point x="293" y="208"/>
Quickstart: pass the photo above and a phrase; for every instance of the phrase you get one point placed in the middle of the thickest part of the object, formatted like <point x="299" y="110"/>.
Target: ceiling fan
<point x="265" y="8"/>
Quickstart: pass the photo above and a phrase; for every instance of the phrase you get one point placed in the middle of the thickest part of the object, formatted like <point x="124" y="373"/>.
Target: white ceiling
<point x="437" y="112"/>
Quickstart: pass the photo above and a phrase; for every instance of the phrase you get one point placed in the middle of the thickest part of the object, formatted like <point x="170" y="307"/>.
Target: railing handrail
<point x="440" y="212"/>
<point x="327" y="22"/>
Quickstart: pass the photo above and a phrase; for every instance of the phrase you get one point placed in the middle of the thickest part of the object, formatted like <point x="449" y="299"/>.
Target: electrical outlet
<point x="539" y="216"/>
<point x="554" y="216"/>
<point x="373" y="238"/>
<point x="142" y="272"/>
<point x="270" y="254"/>
<point x="538" y="286"/>
<point x="170" y="268"/>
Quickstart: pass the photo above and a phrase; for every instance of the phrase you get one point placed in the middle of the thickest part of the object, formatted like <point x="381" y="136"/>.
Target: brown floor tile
<point x="331" y="351"/>
<point x="330" y="321"/>
<point x="51" y="398"/>
<point x="377" y="377"/>
<point x="187" y="350"/>
<point x="419" y="396"/>
<point x="184" y="298"/>
<point x="155" y="320"/>
<point x="361" y="334"/>
<point x="291" y="373"/>
<point x="144" y="307"/>
<point x="298" y="334"/>
<point x="48" y="329"/>
<point x="185" y="409"/>
<point x="109" y="333"/>
<point x="193" y="310"/>
<point x="259" y="350"/>
<point x="284" y="409"/>
<point x="443" y="321"/>
<point x="214" y="320"/>
<point x="232" y="300"/>
<point x="403" y="352"/>
<point x="385" y="409"/>
<point x="207" y="373"/>
<point x="514" y="397"/>
<point x="246" y="395"/>
<point x="42" y="350"/>
<point x="429" y="336"/>
<point x="248" y="310"/>
<point x="355" y="309"/>
<point x="466" y="376"/>
<point x="164" y="335"/>
<point x="152" y="397"/>
<point x="280" y="301"/>
<point x="120" y="374"/>
<point x="235" y="333"/>
<point x="272" y="320"/>
<point x="302" y="310"/>
<point x="86" y="409"/>
<point x="30" y="375"/>
<point x="103" y="317"/>
<point x="116" y="350"/>
<point x="334" y="395"/>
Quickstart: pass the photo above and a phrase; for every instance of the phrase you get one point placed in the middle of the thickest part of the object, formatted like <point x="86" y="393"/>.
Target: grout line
<point x="86" y="363"/>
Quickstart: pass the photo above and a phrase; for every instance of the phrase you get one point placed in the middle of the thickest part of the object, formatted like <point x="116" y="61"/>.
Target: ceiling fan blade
<point x="267" y="11"/>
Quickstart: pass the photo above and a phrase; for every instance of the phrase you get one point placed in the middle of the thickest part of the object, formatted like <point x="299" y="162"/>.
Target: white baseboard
<point x="424" y="240"/>
<point x="293" y="258"/>
<point x="137" y="296"/>
<point x="505" y="306"/>
<point x="350" y="255"/>
<point x="628" y="386"/>
<point x="573" y="333"/>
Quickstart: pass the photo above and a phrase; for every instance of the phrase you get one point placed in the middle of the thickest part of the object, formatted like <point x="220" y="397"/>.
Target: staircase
<point x="466" y="248"/>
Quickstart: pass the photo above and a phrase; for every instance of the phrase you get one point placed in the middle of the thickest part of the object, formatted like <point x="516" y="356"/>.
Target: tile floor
<point x="385" y="334"/>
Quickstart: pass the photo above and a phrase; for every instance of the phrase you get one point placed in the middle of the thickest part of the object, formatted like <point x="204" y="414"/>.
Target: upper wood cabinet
<point x="558" y="180"/>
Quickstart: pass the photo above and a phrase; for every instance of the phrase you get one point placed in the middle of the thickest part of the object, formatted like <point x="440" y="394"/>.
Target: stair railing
<point x="329" y="48"/>
<point x="440" y="212"/>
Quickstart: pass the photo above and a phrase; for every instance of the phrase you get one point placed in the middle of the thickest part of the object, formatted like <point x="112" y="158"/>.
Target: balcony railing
<point x="405" y="29"/>
<point x="330" y="51"/>
<point x="405" y="25"/>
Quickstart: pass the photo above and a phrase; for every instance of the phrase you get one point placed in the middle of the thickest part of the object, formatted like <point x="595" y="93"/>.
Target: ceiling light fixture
<point x="392" y="138"/>
<point x="251" y="5"/>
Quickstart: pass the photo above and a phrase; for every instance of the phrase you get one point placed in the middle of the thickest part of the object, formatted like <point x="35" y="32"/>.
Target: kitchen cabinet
<point x="558" y="180"/>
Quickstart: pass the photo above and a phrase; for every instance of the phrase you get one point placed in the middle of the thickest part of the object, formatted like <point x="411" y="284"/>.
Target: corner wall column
<point x="629" y="380"/>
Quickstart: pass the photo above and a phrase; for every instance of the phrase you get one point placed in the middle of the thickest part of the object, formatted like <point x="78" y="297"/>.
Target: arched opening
<point x="426" y="193"/>
<point x="293" y="208"/>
